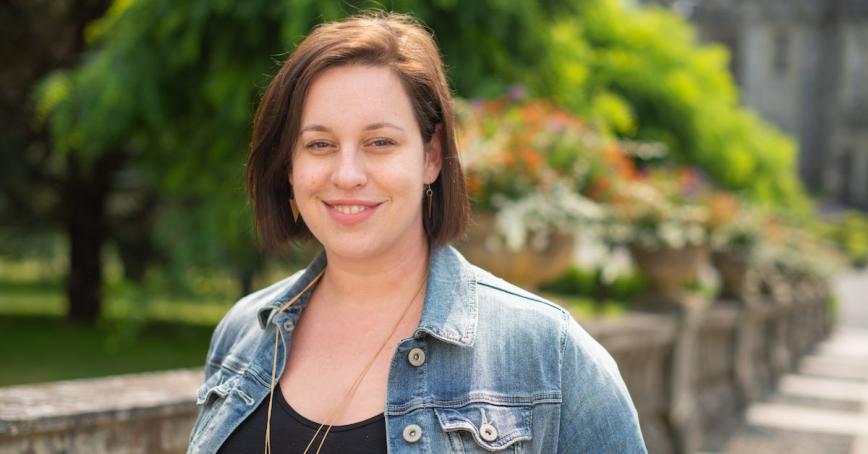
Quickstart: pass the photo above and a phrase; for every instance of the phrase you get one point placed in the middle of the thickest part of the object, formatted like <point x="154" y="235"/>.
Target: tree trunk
<point x="246" y="282"/>
<point x="86" y="191"/>
<point x="133" y="235"/>
<point x="250" y="264"/>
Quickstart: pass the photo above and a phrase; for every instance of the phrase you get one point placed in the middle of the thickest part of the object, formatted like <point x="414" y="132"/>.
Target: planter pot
<point x="733" y="270"/>
<point x="525" y="268"/>
<point x="775" y="285"/>
<point x="667" y="270"/>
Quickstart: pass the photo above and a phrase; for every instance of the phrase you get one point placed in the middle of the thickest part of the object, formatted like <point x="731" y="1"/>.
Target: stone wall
<point x="139" y="413"/>
<point x="691" y="373"/>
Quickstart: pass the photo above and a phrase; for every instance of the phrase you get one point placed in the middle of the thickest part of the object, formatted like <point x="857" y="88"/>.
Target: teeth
<point x="350" y="209"/>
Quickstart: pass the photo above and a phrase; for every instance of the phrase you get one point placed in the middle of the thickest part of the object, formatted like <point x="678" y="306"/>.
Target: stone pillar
<point x="684" y="416"/>
<point x="642" y="345"/>
<point x="749" y="340"/>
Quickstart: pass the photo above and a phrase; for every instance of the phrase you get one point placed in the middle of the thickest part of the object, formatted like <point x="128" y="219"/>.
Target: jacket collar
<point x="451" y="307"/>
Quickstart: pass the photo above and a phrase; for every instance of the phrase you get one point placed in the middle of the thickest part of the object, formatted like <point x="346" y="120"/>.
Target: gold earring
<point x="430" y="194"/>
<point x="293" y="207"/>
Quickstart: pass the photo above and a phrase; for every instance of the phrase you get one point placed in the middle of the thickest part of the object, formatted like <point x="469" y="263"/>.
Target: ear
<point x="434" y="155"/>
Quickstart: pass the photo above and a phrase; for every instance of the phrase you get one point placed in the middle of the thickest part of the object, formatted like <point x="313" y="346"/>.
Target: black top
<point x="291" y="432"/>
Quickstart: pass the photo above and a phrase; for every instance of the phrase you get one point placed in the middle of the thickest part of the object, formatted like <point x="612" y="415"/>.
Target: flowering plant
<point x="531" y="220"/>
<point x="529" y="162"/>
<point x="734" y="227"/>
<point x="660" y="208"/>
<point x="791" y="248"/>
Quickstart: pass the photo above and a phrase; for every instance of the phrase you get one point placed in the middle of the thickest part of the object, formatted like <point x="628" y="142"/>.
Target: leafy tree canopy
<point x="640" y="72"/>
<point x="174" y="85"/>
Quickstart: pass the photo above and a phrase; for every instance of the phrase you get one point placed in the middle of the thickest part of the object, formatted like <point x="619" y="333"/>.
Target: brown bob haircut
<point x="387" y="40"/>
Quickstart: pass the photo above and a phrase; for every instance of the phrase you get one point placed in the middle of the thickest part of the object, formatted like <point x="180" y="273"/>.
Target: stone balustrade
<point x="691" y="373"/>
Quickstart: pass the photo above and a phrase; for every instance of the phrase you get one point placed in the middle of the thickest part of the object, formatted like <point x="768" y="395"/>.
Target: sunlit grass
<point x="118" y="304"/>
<point x="38" y="344"/>
<point x="137" y="332"/>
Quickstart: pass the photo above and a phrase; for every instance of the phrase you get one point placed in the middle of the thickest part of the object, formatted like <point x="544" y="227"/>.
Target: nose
<point x="350" y="172"/>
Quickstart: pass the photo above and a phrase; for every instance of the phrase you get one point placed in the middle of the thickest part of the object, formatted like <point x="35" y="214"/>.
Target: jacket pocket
<point x="209" y="398"/>
<point x="216" y="387"/>
<point x="486" y="427"/>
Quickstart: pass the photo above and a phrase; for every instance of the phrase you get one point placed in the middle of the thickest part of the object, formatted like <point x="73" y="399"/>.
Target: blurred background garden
<point x="622" y="156"/>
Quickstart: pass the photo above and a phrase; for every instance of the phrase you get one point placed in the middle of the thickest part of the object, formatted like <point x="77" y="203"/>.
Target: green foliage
<point x="592" y="283"/>
<point x="639" y="71"/>
<point x="575" y="281"/>
<point x="583" y="308"/>
<point x="849" y="233"/>
<point x="174" y="86"/>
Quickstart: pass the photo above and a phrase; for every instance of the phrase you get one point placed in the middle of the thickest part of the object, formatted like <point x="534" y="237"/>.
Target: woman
<point x="389" y="341"/>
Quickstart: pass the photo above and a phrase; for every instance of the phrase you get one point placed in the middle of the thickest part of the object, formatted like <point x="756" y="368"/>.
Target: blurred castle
<point x="803" y="66"/>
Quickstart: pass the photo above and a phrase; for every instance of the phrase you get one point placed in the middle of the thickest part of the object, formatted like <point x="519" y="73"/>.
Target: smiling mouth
<point x="349" y="209"/>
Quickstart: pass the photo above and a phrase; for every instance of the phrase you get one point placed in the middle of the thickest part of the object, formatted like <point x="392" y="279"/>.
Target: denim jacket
<point x="503" y="370"/>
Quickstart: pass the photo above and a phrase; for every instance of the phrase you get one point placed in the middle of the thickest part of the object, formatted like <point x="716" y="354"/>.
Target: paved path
<point x="823" y="406"/>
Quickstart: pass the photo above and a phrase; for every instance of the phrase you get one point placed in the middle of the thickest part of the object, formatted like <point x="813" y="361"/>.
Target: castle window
<point x="780" y="49"/>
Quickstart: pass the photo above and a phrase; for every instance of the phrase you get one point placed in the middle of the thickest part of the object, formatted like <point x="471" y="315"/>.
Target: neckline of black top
<point x="281" y="399"/>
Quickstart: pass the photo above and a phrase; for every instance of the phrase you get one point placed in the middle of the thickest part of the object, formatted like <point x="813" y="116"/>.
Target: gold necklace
<point x="348" y="396"/>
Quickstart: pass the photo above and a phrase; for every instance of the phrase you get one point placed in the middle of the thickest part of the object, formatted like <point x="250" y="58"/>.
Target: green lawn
<point x="137" y="333"/>
<point x="38" y="348"/>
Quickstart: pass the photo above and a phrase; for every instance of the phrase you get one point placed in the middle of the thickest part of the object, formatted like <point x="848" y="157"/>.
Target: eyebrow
<point x="370" y="127"/>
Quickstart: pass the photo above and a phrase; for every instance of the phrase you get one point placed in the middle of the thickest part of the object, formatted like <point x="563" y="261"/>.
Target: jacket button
<point x="288" y="325"/>
<point x="412" y="433"/>
<point x="416" y="357"/>
<point x="488" y="432"/>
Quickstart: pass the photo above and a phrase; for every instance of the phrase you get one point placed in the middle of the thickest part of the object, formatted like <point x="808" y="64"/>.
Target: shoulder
<point x="519" y="312"/>
<point x="497" y="294"/>
<point x="522" y="306"/>
<point x="491" y="286"/>
<point x="526" y="314"/>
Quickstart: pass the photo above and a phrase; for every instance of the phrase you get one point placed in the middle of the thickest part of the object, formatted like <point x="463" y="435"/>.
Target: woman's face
<point x="360" y="165"/>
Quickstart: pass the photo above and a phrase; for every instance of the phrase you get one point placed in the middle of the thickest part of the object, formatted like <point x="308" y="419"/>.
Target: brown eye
<point x="317" y="145"/>
<point x="383" y="142"/>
